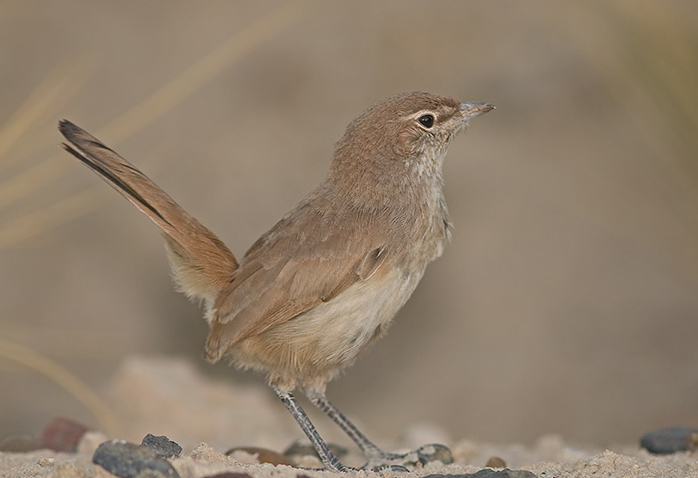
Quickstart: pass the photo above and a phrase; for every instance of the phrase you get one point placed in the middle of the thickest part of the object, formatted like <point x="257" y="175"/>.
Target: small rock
<point x="436" y="452"/>
<point x="692" y="442"/>
<point x="304" y="449"/>
<point x="495" y="462"/>
<point x="263" y="455"/>
<point x="664" y="441"/>
<point x="46" y="462"/>
<point x="229" y="474"/>
<point x="162" y="445"/>
<point x="62" y="434"/>
<point x="132" y="461"/>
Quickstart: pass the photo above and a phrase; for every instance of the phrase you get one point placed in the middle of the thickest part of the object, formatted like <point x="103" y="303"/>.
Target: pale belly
<point x="312" y="348"/>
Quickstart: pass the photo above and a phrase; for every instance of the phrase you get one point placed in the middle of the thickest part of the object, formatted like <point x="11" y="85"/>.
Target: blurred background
<point x="567" y="301"/>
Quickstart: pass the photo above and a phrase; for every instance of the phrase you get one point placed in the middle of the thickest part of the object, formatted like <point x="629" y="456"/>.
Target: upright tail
<point x="201" y="263"/>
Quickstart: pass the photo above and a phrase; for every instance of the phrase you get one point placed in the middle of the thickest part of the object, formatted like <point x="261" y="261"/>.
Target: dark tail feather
<point x="201" y="262"/>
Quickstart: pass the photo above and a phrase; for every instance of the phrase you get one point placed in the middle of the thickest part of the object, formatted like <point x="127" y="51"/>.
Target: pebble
<point x="664" y="441"/>
<point x="229" y="474"/>
<point x="46" y="462"/>
<point x="436" y="452"/>
<point x="162" y="445"/>
<point x="304" y="449"/>
<point x="128" y="460"/>
<point x="62" y="434"/>
<point x="495" y="462"/>
<point x="263" y="455"/>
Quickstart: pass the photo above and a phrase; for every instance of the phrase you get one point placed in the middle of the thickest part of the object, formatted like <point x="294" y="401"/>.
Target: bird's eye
<point x="427" y="120"/>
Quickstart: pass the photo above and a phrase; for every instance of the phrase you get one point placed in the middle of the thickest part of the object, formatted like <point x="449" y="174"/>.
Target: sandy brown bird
<point x="328" y="278"/>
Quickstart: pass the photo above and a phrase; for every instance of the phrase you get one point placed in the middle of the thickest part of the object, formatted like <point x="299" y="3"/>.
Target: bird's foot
<point x="342" y="468"/>
<point x="419" y="457"/>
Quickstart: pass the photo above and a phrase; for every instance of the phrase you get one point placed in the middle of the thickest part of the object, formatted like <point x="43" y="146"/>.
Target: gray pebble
<point x="162" y="445"/>
<point x="127" y="460"/>
<point x="664" y="441"/>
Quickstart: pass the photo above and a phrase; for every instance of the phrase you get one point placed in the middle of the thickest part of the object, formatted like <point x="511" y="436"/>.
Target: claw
<point x="419" y="457"/>
<point x="434" y="452"/>
<point x="386" y="467"/>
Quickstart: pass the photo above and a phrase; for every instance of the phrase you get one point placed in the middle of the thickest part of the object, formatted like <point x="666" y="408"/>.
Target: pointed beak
<point x="471" y="109"/>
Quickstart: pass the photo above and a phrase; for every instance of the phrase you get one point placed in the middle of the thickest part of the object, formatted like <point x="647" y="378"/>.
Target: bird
<point x="327" y="280"/>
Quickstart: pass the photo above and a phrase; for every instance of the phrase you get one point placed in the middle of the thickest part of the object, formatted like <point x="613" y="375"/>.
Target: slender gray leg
<point x="374" y="454"/>
<point x="328" y="458"/>
<point x="367" y="446"/>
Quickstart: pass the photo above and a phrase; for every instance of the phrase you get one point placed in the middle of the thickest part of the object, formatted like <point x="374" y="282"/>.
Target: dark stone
<point x="132" y="461"/>
<point x="664" y="441"/>
<point x="162" y="445"/>
<point x="62" y="434"/>
<point x="264" y="455"/>
<point x="229" y="474"/>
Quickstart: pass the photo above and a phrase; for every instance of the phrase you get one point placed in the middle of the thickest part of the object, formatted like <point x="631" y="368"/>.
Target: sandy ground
<point x="557" y="461"/>
<point x="207" y="417"/>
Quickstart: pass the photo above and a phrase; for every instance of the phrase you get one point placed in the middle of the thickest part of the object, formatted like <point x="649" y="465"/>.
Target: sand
<point x="204" y="461"/>
<point x="207" y="417"/>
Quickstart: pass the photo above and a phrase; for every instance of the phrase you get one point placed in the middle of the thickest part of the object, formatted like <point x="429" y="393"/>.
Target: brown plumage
<point x="328" y="278"/>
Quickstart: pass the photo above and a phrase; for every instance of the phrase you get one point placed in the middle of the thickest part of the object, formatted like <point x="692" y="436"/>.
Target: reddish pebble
<point x="62" y="434"/>
<point x="229" y="474"/>
<point x="264" y="455"/>
<point x="495" y="462"/>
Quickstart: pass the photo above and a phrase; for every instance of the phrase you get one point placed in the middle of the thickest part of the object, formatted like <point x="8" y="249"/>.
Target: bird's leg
<point x="328" y="458"/>
<point x="375" y="455"/>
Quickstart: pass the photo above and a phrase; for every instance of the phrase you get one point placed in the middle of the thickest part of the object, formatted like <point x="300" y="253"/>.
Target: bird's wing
<point x="309" y="257"/>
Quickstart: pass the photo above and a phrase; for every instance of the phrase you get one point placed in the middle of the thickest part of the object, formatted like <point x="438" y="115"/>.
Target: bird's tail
<point x="202" y="265"/>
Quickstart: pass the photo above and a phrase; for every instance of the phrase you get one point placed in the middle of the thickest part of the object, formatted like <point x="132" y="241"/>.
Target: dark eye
<point x="427" y="120"/>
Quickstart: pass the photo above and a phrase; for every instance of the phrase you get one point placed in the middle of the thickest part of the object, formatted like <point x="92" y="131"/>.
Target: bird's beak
<point x="471" y="109"/>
